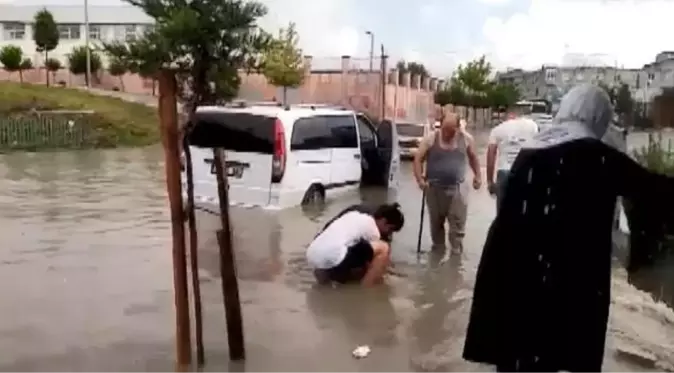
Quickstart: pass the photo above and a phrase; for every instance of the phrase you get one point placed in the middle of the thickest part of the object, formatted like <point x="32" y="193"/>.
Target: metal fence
<point x="46" y="130"/>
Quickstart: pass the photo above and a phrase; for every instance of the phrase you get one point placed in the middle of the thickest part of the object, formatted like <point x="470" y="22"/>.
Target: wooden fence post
<point x="230" y="285"/>
<point x="168" y="122"/>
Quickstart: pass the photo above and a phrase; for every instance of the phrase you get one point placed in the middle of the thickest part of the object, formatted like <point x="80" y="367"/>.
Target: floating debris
<point x="361" y="352"/>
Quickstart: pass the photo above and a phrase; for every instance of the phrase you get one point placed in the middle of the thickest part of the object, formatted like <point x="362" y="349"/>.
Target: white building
<point x="106" y="23"/>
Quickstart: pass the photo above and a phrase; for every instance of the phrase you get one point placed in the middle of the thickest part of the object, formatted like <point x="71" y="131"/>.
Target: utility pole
<point x="371" y="34"/>
<point x="384" y="80"/>
<point x="86" y="42"/>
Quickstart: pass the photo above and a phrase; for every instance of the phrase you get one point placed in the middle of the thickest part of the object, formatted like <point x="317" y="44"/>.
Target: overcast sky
<point x="442" y="33"/>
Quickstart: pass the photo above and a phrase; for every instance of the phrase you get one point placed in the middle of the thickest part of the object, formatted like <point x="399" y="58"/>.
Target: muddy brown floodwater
<point x="86" y="281"/>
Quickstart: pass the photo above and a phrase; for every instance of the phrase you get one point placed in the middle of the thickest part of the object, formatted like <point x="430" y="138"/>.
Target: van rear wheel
<point x="314" y="196"/>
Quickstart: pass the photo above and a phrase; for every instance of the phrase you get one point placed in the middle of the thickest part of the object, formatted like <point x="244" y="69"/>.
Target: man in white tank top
<point x="351" y="247"/>
<point x="505" y="142"/>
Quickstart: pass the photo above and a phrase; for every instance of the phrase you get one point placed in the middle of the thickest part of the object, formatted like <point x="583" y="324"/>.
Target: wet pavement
<point x="86" y="281"/>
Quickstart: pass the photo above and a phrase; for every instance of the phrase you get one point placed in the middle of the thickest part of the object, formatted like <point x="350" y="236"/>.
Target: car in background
<point x="527" y="107"/>
<point x="543" y="120"/>
<point x="410" y="136"/>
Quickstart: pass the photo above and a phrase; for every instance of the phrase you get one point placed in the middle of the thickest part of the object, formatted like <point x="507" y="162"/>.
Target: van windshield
<point x="240" y="132"/>
<point x="409" y="129"/>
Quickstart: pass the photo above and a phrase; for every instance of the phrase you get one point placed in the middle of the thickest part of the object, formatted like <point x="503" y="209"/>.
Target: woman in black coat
<point x="542" y="291"/>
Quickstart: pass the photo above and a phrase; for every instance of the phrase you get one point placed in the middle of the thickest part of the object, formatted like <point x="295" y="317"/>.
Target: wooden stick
<point x="230" y="285"/>
<point x="194" y="254"/>
<point x="421" y="221"/>
<point x="168" y="121"/>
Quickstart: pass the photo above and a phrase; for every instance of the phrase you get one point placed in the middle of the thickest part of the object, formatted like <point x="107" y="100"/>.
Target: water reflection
<point x="86" y="262"/>
<point x="436" y="322"/>
<point x="343" y="311"/>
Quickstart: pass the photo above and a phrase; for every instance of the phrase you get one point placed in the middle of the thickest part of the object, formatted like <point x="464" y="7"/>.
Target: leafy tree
<point x="45" y="35"/>
<point x="414" y="68"/>
<point x="442" y="97"/>
<point x="282" y="63"/>
<point x="502" y="95"/>
<point x="53" y="65"/>
<point x="118" y="68"/>
<point x="474" y="79"/>
<point x="624" y="104"/>
<point x="206" y="42"/>
<point x="26" y="64"/>
<point x="454" y="94"/>
<point x="11" y="57"/>
<point x="475" y="75"/>
<point x="77" y="62"/>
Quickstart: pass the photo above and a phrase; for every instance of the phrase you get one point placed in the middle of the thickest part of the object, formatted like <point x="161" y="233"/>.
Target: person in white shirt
<point x="352" y="246"/>
<point x="505" y="142"/>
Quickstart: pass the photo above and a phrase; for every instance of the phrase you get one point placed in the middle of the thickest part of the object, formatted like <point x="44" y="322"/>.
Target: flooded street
<point x="86" y="280"/>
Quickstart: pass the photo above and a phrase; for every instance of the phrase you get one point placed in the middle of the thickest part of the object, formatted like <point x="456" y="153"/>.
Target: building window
<point x="95" y="32"/>
<point x="69" y="32"/>
<point x="14" y="31"/>
<point x="550" y="75"/>
<point x="130" y="32"/>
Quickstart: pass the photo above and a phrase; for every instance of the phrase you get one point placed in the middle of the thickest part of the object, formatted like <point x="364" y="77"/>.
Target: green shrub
<point x="657" y="156"/>
<point x="116" y="122"/>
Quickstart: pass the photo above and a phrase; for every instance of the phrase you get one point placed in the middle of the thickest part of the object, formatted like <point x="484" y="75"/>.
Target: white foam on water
<point x="640" y="327"/>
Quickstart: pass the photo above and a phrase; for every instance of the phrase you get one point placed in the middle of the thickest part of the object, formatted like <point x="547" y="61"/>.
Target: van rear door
<point x="248" y="140"/>
<point x="389" y="150"/>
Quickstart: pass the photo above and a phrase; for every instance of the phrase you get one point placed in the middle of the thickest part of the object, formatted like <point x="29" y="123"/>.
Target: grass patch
<point x="657" y="156"/>
<point x="116" y="122"/>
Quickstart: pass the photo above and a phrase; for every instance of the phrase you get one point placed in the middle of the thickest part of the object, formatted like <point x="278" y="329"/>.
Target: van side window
<point x="310" y="134"/>
<point x="367" y="137"/>
<point x="343" y="129"/>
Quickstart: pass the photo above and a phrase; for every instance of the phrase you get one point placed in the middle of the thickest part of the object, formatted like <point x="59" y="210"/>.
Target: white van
<point x="278" y="157"/>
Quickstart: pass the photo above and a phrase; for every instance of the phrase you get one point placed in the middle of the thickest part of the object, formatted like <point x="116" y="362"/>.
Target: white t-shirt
<point x="510" y="136"/>
<point x="329" y="248"/>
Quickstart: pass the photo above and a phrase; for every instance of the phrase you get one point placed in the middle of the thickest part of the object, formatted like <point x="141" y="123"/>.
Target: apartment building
<point x="550" y="82"/>
<point x="106" y="23"/>
<point x="659" y="75"/>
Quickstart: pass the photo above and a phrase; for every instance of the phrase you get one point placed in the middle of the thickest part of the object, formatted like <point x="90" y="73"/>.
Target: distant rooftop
<point x="102" y="14"/>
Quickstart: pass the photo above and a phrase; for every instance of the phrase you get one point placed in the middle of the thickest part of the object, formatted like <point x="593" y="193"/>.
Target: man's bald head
<point x="449" y="123"/>
<point x="450" y="119"/>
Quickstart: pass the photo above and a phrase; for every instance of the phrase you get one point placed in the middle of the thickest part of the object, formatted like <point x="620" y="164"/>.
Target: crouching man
<point x="352" y="248"/>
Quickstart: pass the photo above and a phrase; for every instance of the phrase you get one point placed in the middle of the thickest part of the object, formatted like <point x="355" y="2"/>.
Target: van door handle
<point x="356" y="156"/>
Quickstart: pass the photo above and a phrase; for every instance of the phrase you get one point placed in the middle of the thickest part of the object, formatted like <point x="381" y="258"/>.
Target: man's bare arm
<point x="473" y="161"/>
<point x="419" y="159"/>
<point x="492" y="151"/>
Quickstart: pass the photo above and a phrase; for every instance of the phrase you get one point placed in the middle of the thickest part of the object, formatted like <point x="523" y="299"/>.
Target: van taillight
<point x="278" y="165"/>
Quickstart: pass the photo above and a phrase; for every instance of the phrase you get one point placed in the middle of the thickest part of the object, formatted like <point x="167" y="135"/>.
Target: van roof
<point x="275" y="111"/>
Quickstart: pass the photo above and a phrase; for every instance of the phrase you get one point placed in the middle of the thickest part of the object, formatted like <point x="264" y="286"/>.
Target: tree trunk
<point x="121" y="83"/>
<point x="285" y="96"/>
<point x="20" y="76"/>
<point x="46" y="69"/>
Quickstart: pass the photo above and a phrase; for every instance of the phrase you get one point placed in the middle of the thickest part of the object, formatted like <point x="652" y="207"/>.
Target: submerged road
<point x="86" y="281"/>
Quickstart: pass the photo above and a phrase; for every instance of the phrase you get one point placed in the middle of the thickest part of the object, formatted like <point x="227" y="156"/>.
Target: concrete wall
<point x="360" y="89"/>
